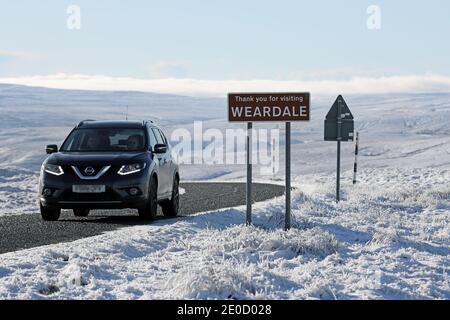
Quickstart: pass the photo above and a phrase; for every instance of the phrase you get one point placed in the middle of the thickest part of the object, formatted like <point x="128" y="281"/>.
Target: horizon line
<point x="400" y="84"/>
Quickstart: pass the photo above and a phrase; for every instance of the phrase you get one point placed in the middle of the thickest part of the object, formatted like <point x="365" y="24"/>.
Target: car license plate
<point x="88" y="188"/>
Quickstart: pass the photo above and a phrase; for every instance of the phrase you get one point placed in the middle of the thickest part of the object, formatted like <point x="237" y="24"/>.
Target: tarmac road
<point x="27" y="231"/>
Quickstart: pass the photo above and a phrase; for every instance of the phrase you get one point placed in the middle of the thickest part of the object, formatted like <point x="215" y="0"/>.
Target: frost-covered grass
<point x="386" y="240"/>
<point x="18" y="189"/>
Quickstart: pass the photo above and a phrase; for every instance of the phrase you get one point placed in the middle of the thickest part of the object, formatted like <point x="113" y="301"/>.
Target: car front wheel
<point x="149" y="211"/>
<point x="170" y="207"/>
<point x="50" y="213"/>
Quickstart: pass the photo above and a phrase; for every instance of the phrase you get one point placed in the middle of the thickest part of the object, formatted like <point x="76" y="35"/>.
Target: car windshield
<point x="104" y="140"/>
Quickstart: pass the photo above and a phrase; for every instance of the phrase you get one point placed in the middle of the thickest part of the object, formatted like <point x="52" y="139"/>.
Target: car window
<point x="152" y="137"/>
<point x="163" y="136"/>
<point x="104" y="140"/>
<point x="158" y="136"/>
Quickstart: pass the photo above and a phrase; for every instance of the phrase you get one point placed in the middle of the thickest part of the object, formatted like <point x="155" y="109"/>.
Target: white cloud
<point x="428" y="83"/>
<point x="164" y="69"/>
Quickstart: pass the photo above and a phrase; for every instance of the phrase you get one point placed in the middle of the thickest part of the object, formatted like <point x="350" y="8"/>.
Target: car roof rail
<point x="146" y="121"/>
<point x="82" y="122"/>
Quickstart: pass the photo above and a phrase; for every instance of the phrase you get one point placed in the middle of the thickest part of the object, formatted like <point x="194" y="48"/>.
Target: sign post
<point x="287" y="218"/>
<point x="248" y="219"/>
<point x="266" y="107"/>
<point x="339" y="126"/>
<point x="339" y="138"/>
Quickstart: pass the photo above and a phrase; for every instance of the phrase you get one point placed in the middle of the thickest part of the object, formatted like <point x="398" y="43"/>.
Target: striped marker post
<point x="355" y="167"/>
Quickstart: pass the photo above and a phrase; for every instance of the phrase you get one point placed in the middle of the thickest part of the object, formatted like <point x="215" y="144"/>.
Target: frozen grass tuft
<point x="236" y="262"/>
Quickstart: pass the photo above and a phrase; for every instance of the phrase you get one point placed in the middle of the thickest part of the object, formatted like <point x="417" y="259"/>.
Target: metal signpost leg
<point x="339" y="138"/>
<point x="273" y="157"/>
<point x="249" y="173"/>
<point x="338" y="175"/>
<point x="288" y="176"/>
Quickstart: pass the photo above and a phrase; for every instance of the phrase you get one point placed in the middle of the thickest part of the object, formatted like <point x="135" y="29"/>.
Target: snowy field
<point x="388" y="239"/>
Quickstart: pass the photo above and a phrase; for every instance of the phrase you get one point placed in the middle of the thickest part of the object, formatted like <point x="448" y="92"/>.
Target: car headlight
<point x="53" y="169"/>
<point x="131" y="168"/>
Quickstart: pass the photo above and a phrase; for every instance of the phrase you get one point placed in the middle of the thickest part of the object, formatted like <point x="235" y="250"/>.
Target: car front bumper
<point x="116" y="196"/>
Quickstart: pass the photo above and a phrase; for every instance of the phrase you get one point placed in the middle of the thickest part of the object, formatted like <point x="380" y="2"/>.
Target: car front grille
<point x="90" y="172"/>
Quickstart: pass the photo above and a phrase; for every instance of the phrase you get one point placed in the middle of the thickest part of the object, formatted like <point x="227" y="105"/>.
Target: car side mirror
<point x="160" y="148"/>
<point x="51" y="148"/>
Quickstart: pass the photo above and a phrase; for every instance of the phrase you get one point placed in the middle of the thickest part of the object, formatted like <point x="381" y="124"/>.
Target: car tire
<point x="171" y="207"/>
<point x="81" y="212"/>
<point x="49" y="213"/>
<point x="149" y="211"/>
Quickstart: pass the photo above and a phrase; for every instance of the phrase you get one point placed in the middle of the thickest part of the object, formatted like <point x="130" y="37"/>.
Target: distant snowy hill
<point x="402" y="131"/>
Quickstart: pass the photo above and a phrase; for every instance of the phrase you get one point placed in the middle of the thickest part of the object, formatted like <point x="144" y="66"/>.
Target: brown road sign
<point x="250" y="107"/>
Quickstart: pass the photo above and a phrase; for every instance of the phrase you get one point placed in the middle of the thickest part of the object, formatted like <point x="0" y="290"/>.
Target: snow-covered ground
<point x="389" y="238"/>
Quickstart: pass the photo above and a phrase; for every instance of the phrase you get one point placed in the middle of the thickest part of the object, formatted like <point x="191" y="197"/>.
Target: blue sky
<point x="225" y="40"/>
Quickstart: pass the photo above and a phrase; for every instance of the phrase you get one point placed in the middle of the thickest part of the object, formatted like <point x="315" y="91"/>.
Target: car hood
<point x="97" y="158"/>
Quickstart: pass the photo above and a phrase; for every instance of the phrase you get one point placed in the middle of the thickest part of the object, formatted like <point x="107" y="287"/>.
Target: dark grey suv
<point x="110" y="165"/>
